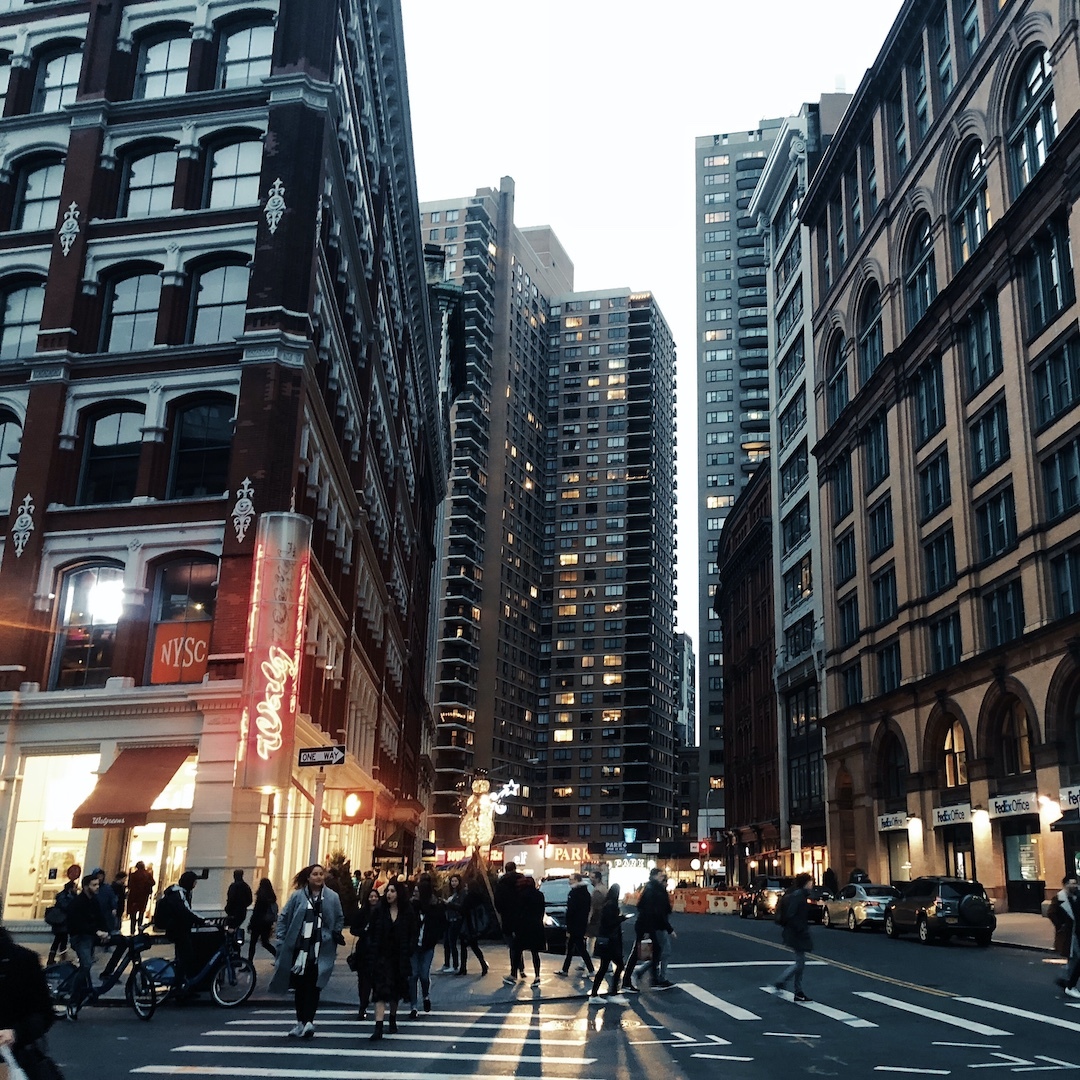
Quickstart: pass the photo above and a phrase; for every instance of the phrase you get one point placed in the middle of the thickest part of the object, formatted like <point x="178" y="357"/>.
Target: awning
<point x="395" y="846"/>
<point x="1069" y="820"/>
<point x="128" y="787"/>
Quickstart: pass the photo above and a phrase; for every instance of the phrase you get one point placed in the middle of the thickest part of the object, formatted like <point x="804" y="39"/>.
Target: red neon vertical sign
<point x="274" y="649"/>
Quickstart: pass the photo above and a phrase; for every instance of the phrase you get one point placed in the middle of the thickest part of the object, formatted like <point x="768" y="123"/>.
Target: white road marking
<point x="376" y="1051"/>
<point x="517" y="1040"/>
<point x="824" y="1010"/>
<point x="736" y="1012"/>
<point x="481" y="1013"/>
<point x="917" y="1072"/>
<point x="305" y="1073"/>
<point x="322" y="1020"/>
<point x="790" y="1035"/>
<point x="970" y="1046"/>
<point x="1011" y="1010"/>
<point x="722" y="1057"/>
<point x="743" y="963"/>
<point x="1008" y="1060"/>
<point x="931" y="1014"/>
<point x="1053" y="1061"/>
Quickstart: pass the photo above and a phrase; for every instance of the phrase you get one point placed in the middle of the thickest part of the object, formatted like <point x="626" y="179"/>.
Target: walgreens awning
<point x="128" y="787"/>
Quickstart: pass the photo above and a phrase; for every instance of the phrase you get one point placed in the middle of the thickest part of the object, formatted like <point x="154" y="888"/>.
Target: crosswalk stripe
<point x="485" y="1040"/>
<point x="782" y="963"/>
<point x="736" y="1012"/>
<point x="305" y="1073"/>
<point x="931" y="1014"/>
<point x="307" y="1050"/>
<point x="1069" y="1025"/>
<point x="722" y="1057"/>
<point x="481" y="1013"/>
<point x="824" y="1010"/>
<point x="503" y="1025"/>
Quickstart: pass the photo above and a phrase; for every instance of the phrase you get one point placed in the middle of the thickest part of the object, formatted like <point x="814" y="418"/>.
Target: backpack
<point x="57" y="915"/>
<point x="782" y="909"/>
<point x="168" y="916"/>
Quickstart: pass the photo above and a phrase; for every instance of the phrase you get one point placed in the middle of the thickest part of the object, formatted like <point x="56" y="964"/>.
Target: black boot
<point x="377" y="1034"/>
<point x="392" y="1026"/>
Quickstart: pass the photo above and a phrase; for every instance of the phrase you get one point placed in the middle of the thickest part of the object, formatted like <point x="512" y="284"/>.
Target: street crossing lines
<point x="308" y="1050"/>
<point x="931" y="1014"/>
<point x="824" y="1010"/>
<point x="304" y="1073"/>
<point x="485" y="1040"/>
<point x="736" y="1012"/>
<point x="1041" y="1018"/>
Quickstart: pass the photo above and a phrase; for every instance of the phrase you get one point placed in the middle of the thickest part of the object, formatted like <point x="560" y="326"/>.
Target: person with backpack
<point x="57" y="918"/>
<point x="476" y="916"/>
<point x="793" y="914"/>
<point x="263" y="921"/>
<point x="175" y="917"/>
<point x="653" y="917"/>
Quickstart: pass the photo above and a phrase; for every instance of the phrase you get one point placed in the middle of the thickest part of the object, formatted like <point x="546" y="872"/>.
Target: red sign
<point x="275" y="644"/>
<point x="180" y="652"/>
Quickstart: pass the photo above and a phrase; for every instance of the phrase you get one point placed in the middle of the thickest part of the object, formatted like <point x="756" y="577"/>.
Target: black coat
<point x="392" y="946"/>
<point x="609" y="943"/>
<point x="578" y="907"/>
<point x="24" y="995"/>
<point x="654" y="909"/>
<point x="237" y="901"/>
<point x="431" y="923"/>
<point x="796" y="933"/>
<point x="508" y="901"/>
<point x="529" y="927"/>
<point x="86" y="916"/>
<point x="476" y="914"/>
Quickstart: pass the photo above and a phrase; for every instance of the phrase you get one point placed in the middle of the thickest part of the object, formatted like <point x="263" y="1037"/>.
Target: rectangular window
<point x="939" y="561"/>
<point x="798" y="584"/>
<point x="877" y="451"/>
<point x="888" y="661"/>
<point x="851" y="185"/>
<point x="791" y="365"/>
<point x="799" y="639"/>
<point x="981" y="343"/>
<point x="789" y="314"/>
<point x="1057" y="381"/>
<point x="934" y="485"/>
<point x="793" y="418"/>
<point x="794" y="471"/>
<point x="845" y="557"/>
<point x="929" y="400"/>
<point x="789" y="262"/>
<point x="969" y="28"/>
<point x="942" y="44"/>
<point x="1049" y="275"/>
<point x="796" y="526"/>
<point x="899" y="129"/>
<point x="944" y="642"/>
<point x="1003" y="613"/>
<point x="847" y="611"/>
<point x="851" y="681"/>
<point x="1061" y="480"/>
<point x="869" y="166"/>
<point x="920" y="105"/>
<point x="995" y="524"/>
<point x="843" y="495"/>
<point x="880" y="527"/>
<point x="884" y="589"/>
<point x="1066" y="571"/>
<point x="989" y="439"/>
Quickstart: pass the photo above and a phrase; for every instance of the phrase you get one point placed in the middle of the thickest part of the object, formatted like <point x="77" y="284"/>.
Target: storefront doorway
<point x="899" y="856"/>
<point x="959" y="851"/>
<point x="1024" y="884"/>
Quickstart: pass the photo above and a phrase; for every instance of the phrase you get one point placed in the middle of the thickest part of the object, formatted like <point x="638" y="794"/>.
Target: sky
<point x="592" y="106"/>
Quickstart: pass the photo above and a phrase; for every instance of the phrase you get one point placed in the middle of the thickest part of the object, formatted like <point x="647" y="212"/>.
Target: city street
<point x="879" y="1008"/>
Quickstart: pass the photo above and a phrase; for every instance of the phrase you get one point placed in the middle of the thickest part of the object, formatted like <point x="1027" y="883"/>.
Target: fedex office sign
<point x="1011" y="805"/>
<point x="960" y="814"/>
<point x="1069" y="798"/>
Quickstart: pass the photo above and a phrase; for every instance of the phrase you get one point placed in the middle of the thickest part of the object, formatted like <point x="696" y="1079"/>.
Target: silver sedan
<point x="858" y="905"/>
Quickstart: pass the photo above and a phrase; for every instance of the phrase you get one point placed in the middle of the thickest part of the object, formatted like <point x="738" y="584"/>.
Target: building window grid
<point x="888" y="662"/>
<point x="939" y="561"/>
<point x="929" y="400"/>
<point x="1034" y="120"/>
<point x="920" y="281"/>
<point x="871" y="340"/>
<point x="989" y="439"/>
<point x="1049" y="275"/>
<point x="1003" y="613"/>
<point x="934" y="486"/>
<point x="1061" y="480"/>
<point x="1057" y="381"/>
<point x="880" y="527"/>
<point x="982" y="343"/>
<point x="995" y="524"/>
<point x="37" y="203"/>
<point x="971" y="213"/>
<point x="944" y="634"/>
<point x="877" y="451"/>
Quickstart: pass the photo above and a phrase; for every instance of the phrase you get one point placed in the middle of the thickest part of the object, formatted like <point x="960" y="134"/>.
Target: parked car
<point x="939" y="908"/>
<point x="816" y="898"/>
<point x="555" y="891"/>
<point x="759" y="899"/>
<point x="859" y="905"/>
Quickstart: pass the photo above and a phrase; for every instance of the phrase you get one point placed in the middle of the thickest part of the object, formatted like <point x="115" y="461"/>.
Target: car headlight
<point x="549" y="921"/>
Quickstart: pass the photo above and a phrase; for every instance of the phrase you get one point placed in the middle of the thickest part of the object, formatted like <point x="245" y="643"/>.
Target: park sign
<point x="322" y="755"/>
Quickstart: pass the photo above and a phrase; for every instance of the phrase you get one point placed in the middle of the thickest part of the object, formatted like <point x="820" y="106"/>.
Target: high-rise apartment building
<point x="214" y="317"/>
<point x="557" y="604"/>
<point x="732" y="387"/>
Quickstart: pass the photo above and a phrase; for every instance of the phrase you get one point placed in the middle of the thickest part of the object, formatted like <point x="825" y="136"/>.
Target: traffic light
<point x="357" y="806"/>
<point x="703" y="847"/>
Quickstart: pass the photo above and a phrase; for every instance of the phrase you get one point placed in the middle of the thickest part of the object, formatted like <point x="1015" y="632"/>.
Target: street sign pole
<point x="316" y="820"/>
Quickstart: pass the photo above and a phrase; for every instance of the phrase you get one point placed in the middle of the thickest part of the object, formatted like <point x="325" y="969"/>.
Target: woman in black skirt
<point x="529" y="936"/>
<point x="364" y="953"/>
<point x="609" y="945"/>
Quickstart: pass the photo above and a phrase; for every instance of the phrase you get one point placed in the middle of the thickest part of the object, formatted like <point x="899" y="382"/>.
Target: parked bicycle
<point x="68" y="984"/>
<point x="228" y="976"/>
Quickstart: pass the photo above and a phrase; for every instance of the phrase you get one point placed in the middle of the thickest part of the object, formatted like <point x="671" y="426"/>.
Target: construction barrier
<point x="704" y="902"/>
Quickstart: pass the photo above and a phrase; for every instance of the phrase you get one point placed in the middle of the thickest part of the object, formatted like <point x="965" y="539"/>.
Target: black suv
<point x="759" y="899"/>
<point x="939" y="908"/>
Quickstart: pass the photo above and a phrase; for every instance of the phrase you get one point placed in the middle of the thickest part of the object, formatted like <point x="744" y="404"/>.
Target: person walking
<point x="608" y="949"/>
<point x="120" y="891"/>
<point x="59" y="924"/>
<point x="596" y="905"/>
<point x="363" y="954"/>
<point x="578" y="909"/>
<point x="308" y="934"/>
<point x="392" y="941"/>
<point x="475" y="917"/>
<point x="263" y="921"/>
<point x="87" y="927"/>
<point x="507" y="902"/>
<point x="237" y="900"/>
<point x="140" y="886"/>
<point x="529" y="934"/>
<point x="795" y="919"/>
<point x="1064" y="913"/>
<point x="454" y="900"/>
<point x="107" y="899"/>
<point x="653" y="914"/>
<point x="429" y="915"/>
<point x="26" y="1011"/>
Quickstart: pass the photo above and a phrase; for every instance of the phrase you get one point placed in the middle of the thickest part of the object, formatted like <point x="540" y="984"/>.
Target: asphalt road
<point x="880" y="1009"/>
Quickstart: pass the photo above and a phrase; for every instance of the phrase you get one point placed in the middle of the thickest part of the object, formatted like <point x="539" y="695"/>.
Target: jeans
<point x="83" y="944"/>
<point x="601" y="971"/>
<point x="420" y="972"/>
<point x="662" y="939"/>
<point x="575" y="944"/>
<point x="450" y="945"/>
<point x="1072" y="971"/>
<point x="795" y="969"/>
<point x="654" y="963"/>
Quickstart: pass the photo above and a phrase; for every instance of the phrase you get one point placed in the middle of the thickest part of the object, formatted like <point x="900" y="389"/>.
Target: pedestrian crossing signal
<point x="703" y="847"/>
<point x="357" y="806"/>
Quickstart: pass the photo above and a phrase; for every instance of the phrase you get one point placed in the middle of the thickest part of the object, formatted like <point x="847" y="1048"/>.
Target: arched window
<point x="183" y="617"/>
<point x="920" y="280"/>
<point x="871" y="342"/>
<point x="163" y="67"/>
<point x="837" y="393"/>
<point x="148" y="184"/>
<point x="220" y="299"/>
<point x="111" y="461"/>
<point x="131" y="319"/>
<point x="1015" y="740"/>
<point x="245" y="56"/>
<point x="955" y="756"/>
<point x="1033" y="121"/>
<point x="91" y="604"/>
<point x="971" y="208"/>
<point x="37" y="199"/>
<point x="233" y="174"/>
<point x="57" y="82"/>
<point x="22" y="318"/>
<point x="10" y="444"/>
<point x="894" y="769"/>
<point x="201" y="444"/>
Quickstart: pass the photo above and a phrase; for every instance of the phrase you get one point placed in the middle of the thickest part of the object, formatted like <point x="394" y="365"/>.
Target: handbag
<point x="645" y="948"/>
<point x="55" y="916"/>
<point x="352" y="961"/>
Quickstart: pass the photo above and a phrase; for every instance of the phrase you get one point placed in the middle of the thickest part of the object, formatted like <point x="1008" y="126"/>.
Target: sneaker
<point x="663" y="984"/>
<point x="595" y="999"/>
<point x="308" y="1031"/>
<point x="1071" y="991"/>
<point x="562" y="974"/>
<point x="629" y="988"/>
<point x="446" y="969"/>
<point x="427" y="1004"/>
<point x="509" y="980"/>
<point x="483" y="971"/>
<point x="536" y="982"/>
<point x="413" y="1014"/>
<point x="800" y="996"/>
<point x="295" y="1031"/>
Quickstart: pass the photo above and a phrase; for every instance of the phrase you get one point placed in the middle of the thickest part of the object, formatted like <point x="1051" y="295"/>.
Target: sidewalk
<point x="1021" y="930"/>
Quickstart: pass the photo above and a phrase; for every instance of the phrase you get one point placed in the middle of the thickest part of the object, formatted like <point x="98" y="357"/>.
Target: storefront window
<point x="955" y="756"/>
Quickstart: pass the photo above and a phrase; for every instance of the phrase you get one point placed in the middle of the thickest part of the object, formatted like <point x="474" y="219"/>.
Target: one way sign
<point x="322" y="755"/>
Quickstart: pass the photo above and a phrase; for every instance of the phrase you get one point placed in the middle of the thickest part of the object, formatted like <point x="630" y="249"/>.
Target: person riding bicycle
<point x="175" y="916"/>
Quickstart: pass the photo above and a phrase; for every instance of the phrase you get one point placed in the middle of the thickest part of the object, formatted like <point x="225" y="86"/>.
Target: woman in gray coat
<point x="308" y="934"/>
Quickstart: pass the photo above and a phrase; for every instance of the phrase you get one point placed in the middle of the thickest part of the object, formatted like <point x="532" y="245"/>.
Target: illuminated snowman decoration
<point x="477" y="828"/>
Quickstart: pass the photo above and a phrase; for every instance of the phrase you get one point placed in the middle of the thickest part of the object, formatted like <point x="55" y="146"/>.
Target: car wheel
<point x="923" y="929"/>
<point x="825" y="920"/>
<point x="851" y="923"/>
<point x="983" y="939"/>
<point x="891" y="928"/>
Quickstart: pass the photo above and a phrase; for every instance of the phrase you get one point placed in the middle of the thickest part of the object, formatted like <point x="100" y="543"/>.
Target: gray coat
<point x="289" y="924"/>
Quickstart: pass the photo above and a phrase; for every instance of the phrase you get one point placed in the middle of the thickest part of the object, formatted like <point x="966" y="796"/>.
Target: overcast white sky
<point x="592" y="106"/>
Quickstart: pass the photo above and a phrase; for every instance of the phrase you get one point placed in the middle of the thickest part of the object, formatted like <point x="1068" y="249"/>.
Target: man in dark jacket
<point x="181" y="920"/>
<point x="87" y="927"/>
<point x="26" y="1011"/>
<point x="795" y="914"/>
<point x="578" y="908"/>
<point x="653" y="915"/>
<point x="237" y="900"/>
<point x="507" y="899"/>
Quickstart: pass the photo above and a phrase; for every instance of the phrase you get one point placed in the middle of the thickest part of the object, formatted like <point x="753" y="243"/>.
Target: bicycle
<point x="229" y="976"/>
<point x="68" y="990"/>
